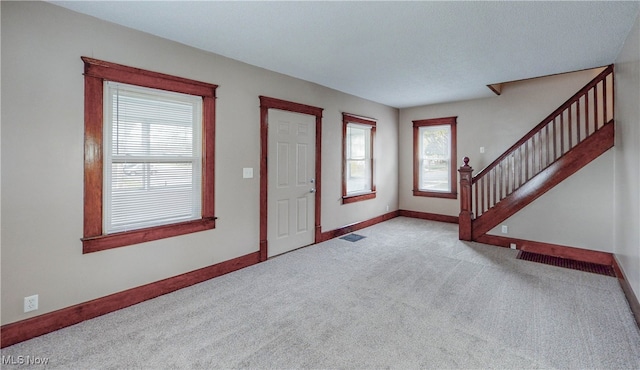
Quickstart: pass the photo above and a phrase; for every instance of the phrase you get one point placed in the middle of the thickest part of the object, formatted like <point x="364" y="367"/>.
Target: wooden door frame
<point x="267" y="103"/>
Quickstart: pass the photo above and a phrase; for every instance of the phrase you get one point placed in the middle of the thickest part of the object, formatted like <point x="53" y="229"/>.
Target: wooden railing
<point x="578" y="118"/>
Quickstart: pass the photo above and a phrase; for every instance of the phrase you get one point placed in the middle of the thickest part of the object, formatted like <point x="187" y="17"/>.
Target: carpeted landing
<point x="408" y="295"/>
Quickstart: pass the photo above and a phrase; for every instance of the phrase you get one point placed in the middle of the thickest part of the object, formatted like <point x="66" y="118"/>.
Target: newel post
<point x="466" y="215"/>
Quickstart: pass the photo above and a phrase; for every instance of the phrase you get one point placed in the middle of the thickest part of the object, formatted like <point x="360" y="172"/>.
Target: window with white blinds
<point x="358" y="157"/>
<point x="152" y="157"/>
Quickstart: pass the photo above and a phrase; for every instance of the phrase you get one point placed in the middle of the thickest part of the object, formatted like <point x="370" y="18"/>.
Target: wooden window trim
<point x="95" y="73"/>
<point x="451" y="121"/>
<point x="346" y="119"/>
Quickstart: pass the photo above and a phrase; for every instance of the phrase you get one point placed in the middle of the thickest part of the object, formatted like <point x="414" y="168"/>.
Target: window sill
<point x="121" y="239"/>
<point x="346" y="199"/>
<point x="435" y="194"/>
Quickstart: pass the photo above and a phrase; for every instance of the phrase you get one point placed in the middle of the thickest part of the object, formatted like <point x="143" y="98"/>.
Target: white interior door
<point x="291" y="181"/>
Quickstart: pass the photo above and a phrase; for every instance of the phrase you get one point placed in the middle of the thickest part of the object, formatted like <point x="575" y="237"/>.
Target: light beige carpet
<point x="409" y="295"/>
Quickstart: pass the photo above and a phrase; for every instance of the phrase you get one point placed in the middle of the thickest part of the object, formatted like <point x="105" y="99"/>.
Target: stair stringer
<point x="572" y="161"/>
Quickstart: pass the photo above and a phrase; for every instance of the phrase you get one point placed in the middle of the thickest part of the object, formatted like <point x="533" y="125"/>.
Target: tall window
<point x="152" y="156"/>
<point x="149" y="155"/>
<point x="358" y="172"/>
<point x="434" y="158"/>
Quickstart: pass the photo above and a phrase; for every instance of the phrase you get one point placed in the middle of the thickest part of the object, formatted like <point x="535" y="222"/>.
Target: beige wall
<point x="627" y="158"/>
<point x="42" y="157"/>
<point x="561" y="216"/>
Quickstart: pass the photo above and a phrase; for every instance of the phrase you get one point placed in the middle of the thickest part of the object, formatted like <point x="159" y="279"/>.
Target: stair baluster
<point x="543" y="147"/>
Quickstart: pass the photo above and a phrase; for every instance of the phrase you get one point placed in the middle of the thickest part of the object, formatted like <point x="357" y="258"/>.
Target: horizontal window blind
<point x="152" y="157"/>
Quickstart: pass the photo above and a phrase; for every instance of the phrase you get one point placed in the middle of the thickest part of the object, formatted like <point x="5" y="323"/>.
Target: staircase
<point x="568" y="139"/>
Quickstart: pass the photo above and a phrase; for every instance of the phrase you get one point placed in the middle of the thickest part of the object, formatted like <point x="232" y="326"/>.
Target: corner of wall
<point x="626" y="166"/>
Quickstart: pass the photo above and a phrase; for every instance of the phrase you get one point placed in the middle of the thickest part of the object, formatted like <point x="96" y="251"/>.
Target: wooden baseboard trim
<point x="632" y="298"/>
<point x="428" y="216"/>
<point x="356" y="226"/>
<point x="33" y="327"/>
<point x="548" y="249"/>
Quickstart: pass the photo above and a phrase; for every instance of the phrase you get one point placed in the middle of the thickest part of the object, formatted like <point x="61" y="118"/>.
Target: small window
<point x="358" y="162"/>
<point x="149" y="156"/>
<point x="434" y="163"/>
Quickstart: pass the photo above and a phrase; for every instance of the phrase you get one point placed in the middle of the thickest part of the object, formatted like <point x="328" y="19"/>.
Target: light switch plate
<point x="247" y="173"/>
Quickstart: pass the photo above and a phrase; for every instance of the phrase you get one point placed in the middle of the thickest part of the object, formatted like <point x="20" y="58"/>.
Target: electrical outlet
<point x="31" y="303"/>
<point x="387" y="208"/>
<point x="481" y="149"/>
<point x="513" y="245"/>
<point x="505" y="229"/>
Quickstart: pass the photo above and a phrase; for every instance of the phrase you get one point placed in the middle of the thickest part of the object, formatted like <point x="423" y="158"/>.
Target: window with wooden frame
<point x="434" y="158"/>
<point x="358" y="137"/>
<point x="149" y="156"/>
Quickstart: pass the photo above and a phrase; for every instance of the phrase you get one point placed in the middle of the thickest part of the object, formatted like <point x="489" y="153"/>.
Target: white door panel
<point x="291" y="171"/>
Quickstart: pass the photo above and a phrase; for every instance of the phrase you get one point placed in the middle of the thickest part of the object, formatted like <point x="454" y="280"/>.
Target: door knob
<point x="313" y="190"/>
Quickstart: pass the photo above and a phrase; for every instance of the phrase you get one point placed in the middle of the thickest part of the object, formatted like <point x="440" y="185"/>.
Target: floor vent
<point x="567" y="263"/>
<point x="352" y="237"/>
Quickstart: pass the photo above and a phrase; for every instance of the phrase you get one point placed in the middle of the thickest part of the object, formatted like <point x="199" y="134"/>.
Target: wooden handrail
<point x="582" y="154"/>
<point x="600" y="77"/>
<point x="550" y="140"/>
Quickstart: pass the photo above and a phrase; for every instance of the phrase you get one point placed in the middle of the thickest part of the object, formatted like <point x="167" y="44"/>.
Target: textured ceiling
<point x="401" y="54"/>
